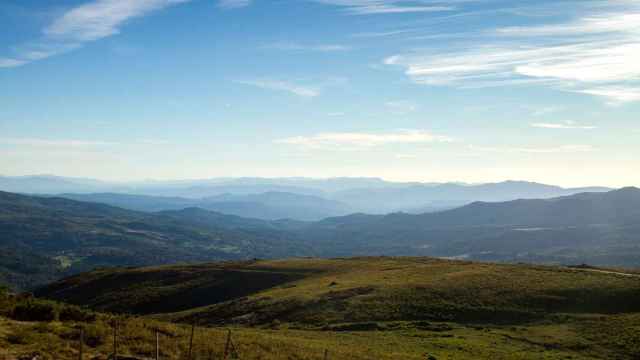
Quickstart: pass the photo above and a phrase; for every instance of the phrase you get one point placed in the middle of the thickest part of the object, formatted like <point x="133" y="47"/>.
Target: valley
<point x="70" y="236"/>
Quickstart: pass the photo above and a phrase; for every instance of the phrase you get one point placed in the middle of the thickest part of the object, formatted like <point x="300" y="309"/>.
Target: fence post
<point x="193" y="327"/>
<point x="157" y="344"/>
<point x="230" y="348"/>
<point x="115" y="339"/>
<point x="81" y="343"/>
<point x="326" y="354"/>
<point x="226" y="346"/>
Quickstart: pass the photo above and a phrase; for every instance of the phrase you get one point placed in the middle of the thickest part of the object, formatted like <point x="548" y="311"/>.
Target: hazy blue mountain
<point x="270" y="205"/>
<point x="370" y="195"/>
<point x="134" y="202"/>
<point x="47" y="184"/>
<point x="597" y="228"/>
<point x="385" y="200"/>
<point x="282" y="205"/>
<point x="202" y="191"/>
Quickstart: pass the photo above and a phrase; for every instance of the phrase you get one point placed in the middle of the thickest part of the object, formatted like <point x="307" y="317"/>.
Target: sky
<point x="424" y="90"/>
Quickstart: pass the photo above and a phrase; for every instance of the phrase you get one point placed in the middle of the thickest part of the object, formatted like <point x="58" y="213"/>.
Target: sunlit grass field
<point x="363" y="308"/>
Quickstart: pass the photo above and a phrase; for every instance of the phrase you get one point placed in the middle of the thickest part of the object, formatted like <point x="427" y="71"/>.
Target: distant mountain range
<point x="595" y="228"/>
<point x="269" y="205"/>
<point x="439" y="196"/>
<point x="296" y="198"/>
<point x="42" y="238"/>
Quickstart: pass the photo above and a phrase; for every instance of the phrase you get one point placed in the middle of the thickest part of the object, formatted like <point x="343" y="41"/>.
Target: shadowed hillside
<point x="360" y="308"/>
<point x="76" y="236"/>
<point x="315" y="292"/>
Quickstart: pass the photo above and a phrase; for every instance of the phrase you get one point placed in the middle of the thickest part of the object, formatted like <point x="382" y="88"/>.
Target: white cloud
<point x="401" y="106"/>
<point x="367" y="7"/>
<point x="597" y="54"/>
<point x="281" y="85"/>
<point x="101" y="18"/>
<point x="290" y="46"/>
<point x="545" y="110"/>
<point x="84" y="23"/>
<point x="351" y="140"/>
<point x="593" y="24"/>
<point x="7" y="62"/>
<point x="300" y="88"/>
<point x="567" y="125"/>
<point x="233" y="4"/>
<point x="616" y="95"/>
<point x="535" y="150"/>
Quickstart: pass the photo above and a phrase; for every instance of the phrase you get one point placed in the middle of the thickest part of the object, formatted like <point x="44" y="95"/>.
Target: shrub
<point x="95" y="335"/>
<point x="77" y="314"/>
<point x="34" y="311"/>
<point x="21" y="336"/>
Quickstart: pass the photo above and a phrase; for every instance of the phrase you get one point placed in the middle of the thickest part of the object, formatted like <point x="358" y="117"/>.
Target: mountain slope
<point x="368" y="195"/>
<point x="268" y="206"/>
<point x="599" y="228"/>
<point x="384" y="200"/>
<point x="594" y="228"/>
<point x="81" y="236"/>
<point x="318" y="291"/>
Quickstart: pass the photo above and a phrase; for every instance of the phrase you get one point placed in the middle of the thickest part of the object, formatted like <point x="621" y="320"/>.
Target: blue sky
<point x="462" y="90"/>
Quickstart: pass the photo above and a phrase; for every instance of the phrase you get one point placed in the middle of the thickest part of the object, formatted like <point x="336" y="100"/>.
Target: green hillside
<point x="382" y="308"/>
<point x="54" y="236"/>
<point x="318" y="291"/>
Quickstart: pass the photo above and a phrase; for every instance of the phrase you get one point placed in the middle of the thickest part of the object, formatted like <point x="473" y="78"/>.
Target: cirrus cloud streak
<point x="351" y="140"/>
<point x="597" y="54"/>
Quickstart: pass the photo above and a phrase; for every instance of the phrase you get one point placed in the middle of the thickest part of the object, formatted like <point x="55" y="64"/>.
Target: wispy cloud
<point x="233" y="4"/>
<point x="544" y="110"/>
<point x="535" y="150"/>
<point x="8" y="62"/>
<point x="308" y="89"/>
<point x="81" y="24"/>
<point x="401" y="106"/>
<point x="615" y="95"/>
<point x="282" y="85"/>
<point x="368" y="7"/>
<point x="359" y="140"/>
<point x="291" y="46"/>
<point x="596" y="54"/>
<point x="567" y="125"/>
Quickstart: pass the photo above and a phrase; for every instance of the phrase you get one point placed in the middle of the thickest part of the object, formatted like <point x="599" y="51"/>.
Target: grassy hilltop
<point x="377" y="308"/>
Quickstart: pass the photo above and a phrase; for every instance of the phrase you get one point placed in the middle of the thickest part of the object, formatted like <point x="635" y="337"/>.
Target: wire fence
<point x="157" y="343"/>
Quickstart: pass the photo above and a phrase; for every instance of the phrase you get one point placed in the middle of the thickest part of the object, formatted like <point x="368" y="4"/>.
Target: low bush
<point x="21" y="336"/>
<point x="34" y="311"/>
<point x="95" y="335"/>
<point x="77" y="314"/>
